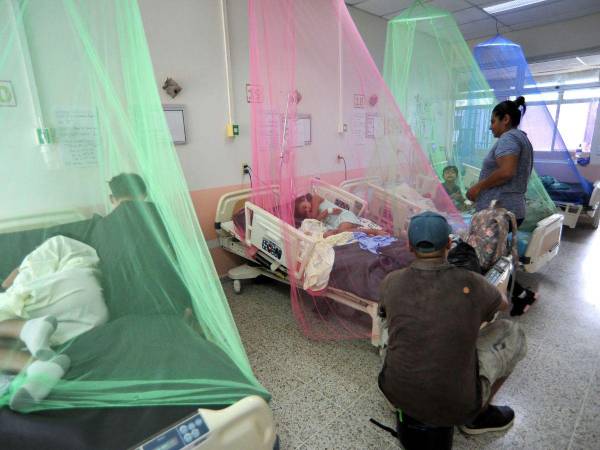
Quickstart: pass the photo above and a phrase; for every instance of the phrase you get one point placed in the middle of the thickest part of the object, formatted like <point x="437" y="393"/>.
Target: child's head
<point x="302" y="206"/>
<point x="127" y="186"/>
<point x="450" y="173"/>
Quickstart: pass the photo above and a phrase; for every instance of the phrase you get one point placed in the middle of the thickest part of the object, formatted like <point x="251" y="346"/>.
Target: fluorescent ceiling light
<point x="514" y="4"/>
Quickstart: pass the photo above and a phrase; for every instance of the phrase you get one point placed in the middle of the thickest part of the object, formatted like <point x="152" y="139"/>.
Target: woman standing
<point x="505" y="174"/>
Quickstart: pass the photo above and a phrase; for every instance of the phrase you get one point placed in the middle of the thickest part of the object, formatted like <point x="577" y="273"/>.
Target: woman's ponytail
<point x="515" y="109"/>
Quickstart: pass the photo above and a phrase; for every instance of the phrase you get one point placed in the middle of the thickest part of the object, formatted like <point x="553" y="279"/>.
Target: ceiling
<point x="568" y="64"/>
<point x="474" y="22"/>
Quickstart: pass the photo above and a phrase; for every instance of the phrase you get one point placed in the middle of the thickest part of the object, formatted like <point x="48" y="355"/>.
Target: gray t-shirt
<point x="511" y="195"/>
<point x="434" y="311"/>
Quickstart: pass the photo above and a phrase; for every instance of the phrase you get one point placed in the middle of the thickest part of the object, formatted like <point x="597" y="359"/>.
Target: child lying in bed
<point x="336" y="220"/>
<point x="52" y="297"/>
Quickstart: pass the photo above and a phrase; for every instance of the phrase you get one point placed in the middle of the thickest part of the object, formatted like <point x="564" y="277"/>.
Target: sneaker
<point x="494" y="418"/>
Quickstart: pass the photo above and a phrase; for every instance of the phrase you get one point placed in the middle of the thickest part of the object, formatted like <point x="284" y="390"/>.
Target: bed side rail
<point x="354" y="184"/>
<point x="570" y="213"/>
<point x="544" y="243"/>
<point x="338" y="196"/>
<point x="595" y="197"/>
<point x="390" y="211"/>
<point x="427" y="186"/>
<point x="275" y="238"/>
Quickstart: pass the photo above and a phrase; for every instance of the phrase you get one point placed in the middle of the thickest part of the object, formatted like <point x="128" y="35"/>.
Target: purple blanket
<point x="361" y="272"/>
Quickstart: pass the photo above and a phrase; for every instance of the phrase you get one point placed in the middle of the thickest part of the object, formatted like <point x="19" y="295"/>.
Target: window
<point x="539" y="122"/>
<point x="572" y="101"/>
<point x="576" y="124"/>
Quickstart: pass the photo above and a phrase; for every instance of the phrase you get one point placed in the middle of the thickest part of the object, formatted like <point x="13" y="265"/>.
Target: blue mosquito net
<point x="505" y="68"/>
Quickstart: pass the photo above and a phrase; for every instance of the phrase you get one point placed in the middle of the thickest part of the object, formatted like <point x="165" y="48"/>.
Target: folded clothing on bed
<point x="373" y="243"/>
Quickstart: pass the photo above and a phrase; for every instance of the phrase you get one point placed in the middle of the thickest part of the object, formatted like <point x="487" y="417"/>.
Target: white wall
<point x="39" y="78"/>
<point x="186" y="43"/>
<point x="373" y="31"/>
<point x="556" y="39"/>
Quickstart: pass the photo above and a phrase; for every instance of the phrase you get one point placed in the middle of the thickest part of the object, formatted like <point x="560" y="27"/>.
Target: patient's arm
<point x="323" y="214"/>
<point x="10" y="279"/>
<point x="349" y="226"/>
<point x="314" y="206"/>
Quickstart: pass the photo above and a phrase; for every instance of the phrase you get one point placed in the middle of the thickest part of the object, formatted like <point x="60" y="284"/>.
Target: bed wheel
<point x="237" y="286"/>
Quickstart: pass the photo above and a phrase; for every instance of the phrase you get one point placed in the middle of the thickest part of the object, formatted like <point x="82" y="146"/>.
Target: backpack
<point x="488" y="235"/>
<point x="464" y="256"/>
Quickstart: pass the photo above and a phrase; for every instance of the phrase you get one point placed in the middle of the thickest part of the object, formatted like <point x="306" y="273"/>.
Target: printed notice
<point x="359" y="127"/>
<point x="77" y="136"/>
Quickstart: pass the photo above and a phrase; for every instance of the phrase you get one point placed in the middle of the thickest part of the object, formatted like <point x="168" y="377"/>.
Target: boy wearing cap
<point x="440" y="369"/>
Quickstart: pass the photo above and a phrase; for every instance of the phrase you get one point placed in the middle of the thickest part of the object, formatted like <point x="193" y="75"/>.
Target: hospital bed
<point x="573" y="211"/>
<point x="573" y="195"/>
<point x="536" y="249"/>
<point x="247" y="422"/>
<point x="265" y="241"/>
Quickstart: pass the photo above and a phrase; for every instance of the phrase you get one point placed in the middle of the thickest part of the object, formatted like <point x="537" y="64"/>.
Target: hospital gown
<point x="333" y="221"/>
<point x="58" y="278"/>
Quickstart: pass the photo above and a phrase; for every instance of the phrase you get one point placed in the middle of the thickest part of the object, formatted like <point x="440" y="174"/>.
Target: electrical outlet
<point x="245" y="168"/>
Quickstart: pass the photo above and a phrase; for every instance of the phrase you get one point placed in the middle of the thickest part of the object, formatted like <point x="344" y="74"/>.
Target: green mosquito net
<point x="115" y="301"/>
<point x="445" y="97"/>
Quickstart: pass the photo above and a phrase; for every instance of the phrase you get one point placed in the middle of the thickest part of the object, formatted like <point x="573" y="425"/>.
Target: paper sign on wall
<point x="254" y="93"/>
<point x="77" y="136"/>
<point x="174" y="114"/>
<point x="358" y="127"/>
<point x="374" y="126"/>
<point x="303" y="130"/>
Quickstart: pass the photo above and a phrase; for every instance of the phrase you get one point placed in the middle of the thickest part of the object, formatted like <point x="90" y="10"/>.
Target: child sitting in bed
<point x="336" y="220"/>
<point x="450" y="175"/>
<point x="52" y="297"/>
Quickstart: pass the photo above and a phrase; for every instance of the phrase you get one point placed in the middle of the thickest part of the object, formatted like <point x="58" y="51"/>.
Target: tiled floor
<point x="325" y="392"/>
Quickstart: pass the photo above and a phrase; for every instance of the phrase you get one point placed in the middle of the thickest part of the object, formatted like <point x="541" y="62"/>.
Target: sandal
<point x="521" y="305"/>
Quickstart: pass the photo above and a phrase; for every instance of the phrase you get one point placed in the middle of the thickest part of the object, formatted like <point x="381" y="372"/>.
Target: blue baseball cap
<point x="428" y="232"/>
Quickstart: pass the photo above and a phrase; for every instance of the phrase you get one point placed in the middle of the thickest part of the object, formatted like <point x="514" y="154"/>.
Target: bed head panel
<point x="338" y="196"/>
<point x="233" y="201"/>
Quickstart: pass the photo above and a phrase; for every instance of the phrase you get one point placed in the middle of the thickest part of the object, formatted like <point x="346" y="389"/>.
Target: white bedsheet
<point x="318" y="268"/>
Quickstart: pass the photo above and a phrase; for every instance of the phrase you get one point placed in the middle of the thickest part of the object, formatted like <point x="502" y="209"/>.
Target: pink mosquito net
<point x="325" y="124"/>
